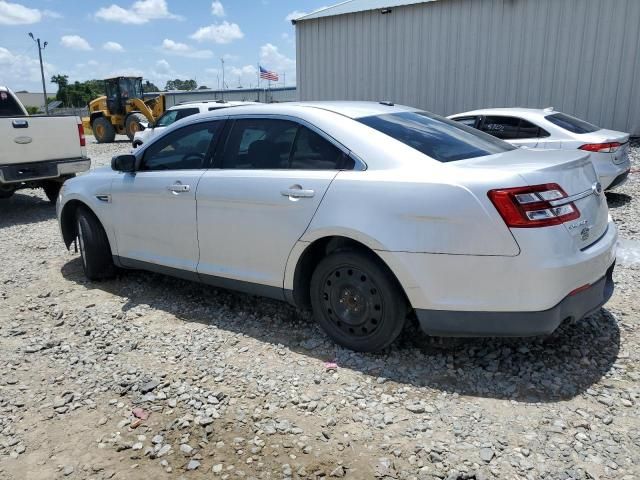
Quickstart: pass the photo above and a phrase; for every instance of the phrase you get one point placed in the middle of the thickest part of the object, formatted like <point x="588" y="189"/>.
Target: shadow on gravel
<point x="615" y="200"/>
<point x="542" y="369"/>
<point x="24" y="209"/>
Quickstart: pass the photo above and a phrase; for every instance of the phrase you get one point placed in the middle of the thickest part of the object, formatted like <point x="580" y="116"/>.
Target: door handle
<point x="178" y="188"/>
<point x="20" y="124"/>
<point x="297" y="193"/>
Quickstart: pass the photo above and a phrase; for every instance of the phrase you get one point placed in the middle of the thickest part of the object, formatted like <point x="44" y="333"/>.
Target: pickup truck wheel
<point x="94" y="247"/>
<point x="357" y="301"/>
<point x="6" y="192"/>
<point x="51" y="190"/>
<point x="103" y="130"/>
<point x="132" y="124"/>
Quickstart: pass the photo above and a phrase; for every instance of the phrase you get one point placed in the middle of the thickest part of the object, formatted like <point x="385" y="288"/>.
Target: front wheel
<point x="6" y="192"/>
<point x="357" y="301"/>
<point x="96" y="256"/>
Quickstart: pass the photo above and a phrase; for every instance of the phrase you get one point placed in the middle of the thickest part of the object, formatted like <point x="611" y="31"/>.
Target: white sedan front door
<point x="155" y="207"/>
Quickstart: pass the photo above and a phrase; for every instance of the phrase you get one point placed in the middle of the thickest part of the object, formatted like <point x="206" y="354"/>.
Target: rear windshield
<point x="439" y="138"/>
<point x="9" y="107"/>
<point x="573" y="124"/>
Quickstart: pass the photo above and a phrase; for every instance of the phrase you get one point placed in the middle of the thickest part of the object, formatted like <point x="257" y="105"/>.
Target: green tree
<point x="178" y="84"/>
<point x="147" y="86"/>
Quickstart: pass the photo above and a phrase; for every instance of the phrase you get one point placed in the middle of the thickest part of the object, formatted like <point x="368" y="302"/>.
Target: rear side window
<point x="439" y="138"/>
<point x="512" y="128"/>
<point x="268" y="144"/>
<point x="572" y="124"/>
<point x="9" y="107"/>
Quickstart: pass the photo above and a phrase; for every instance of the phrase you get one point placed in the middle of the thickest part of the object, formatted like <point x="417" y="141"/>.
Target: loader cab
<point x="119" y="90"/>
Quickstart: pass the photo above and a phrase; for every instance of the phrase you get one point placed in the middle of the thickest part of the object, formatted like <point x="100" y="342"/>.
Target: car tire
<point x="103" y="130"/>
<point x="51" y="190"/>
<point x="132" y="124"/>
<point x="6" y="192"/>
<point x="97" y="261"/>
<point x="357" y="301"/>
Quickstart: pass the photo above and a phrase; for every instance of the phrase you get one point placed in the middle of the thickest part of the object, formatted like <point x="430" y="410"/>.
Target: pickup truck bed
<point x="38" y="151"/>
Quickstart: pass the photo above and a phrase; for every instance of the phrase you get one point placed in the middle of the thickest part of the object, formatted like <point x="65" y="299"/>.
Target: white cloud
<point x="217" y="9"/>
<point x="113" y="47"/>
<point x="20" y="71"/>
<point x="51" y="14"/>
<point x="75" y="42"/>
<point x="16" y="14"/>
<point x="140" y="12"/>
<point x="182" y="49"/>
<point x="224" y="32"/>
<point x="298" y="13"/>
<point x="272" y="59"/>
<point x="162" y="66"/>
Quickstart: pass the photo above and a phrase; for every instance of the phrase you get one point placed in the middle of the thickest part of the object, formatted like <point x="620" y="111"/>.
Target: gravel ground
<point x="148" y="376"/>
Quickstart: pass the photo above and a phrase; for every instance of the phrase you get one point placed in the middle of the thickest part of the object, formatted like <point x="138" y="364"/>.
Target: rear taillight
<point x="534" y="206"/>
<point x="83" y="140"/>
<point x="601" y="147"/>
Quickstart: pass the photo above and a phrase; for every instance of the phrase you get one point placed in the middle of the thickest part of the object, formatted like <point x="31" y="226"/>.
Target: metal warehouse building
<point x="447" y="56"/>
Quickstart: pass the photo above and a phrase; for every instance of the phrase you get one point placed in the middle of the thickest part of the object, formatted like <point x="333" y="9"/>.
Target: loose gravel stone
<point x="145" y="372"/>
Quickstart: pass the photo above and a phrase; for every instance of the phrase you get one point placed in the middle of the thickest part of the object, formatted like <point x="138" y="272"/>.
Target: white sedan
<point x="547" y="128"/>
<point x="365" y="212"/>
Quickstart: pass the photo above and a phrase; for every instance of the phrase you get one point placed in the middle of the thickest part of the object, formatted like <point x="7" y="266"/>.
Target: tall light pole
<point x="44" y="88"/>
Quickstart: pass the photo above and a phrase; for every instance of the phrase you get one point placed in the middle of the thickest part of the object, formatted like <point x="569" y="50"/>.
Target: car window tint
<point x="468" y="121"/>
<point x="313" y="152"/>
<point x="527" y="129"/>
<point x="505" y="128"/>
<point x="572" y="124"/>
<point x="167" y="119"/>
<point x="259" y="143"/>
<point x="437" y="137"/>
<point x="9" y="107"/>
<point x="183" y="149"/>
<point x="186" y="112"/>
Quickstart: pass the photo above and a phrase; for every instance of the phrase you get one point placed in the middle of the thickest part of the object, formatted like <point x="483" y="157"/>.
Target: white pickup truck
<point x="38" y="151"/>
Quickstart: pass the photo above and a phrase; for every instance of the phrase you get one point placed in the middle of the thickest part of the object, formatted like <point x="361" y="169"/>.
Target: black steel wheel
<point x="357" y="301"/>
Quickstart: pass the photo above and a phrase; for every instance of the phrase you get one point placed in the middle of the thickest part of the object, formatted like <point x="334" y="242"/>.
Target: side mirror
<point x="143" y="125"/>
<point x="124" y="163"/>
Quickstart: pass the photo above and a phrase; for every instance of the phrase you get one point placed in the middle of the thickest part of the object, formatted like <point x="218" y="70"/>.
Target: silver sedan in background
<point x="549" y="129"/>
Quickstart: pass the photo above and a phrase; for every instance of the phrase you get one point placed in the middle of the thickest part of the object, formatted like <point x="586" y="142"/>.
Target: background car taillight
<point x="601" y="147"/>
<point x="83" y="140"/>
<point x="534" y="206"/>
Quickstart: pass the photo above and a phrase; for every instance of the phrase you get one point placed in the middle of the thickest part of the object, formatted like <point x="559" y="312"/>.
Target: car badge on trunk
<point x="597" y="188"/>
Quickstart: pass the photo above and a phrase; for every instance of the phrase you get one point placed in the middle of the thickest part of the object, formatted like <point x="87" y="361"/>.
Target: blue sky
<point x="156" y="39"/>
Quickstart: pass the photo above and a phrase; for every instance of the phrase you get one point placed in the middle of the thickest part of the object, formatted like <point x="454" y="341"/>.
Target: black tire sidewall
<point x="395" y="307"/>
<point x="98" y="262"/>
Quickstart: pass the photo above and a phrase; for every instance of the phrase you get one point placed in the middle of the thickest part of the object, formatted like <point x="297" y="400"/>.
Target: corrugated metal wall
<point x="579" y="56"/>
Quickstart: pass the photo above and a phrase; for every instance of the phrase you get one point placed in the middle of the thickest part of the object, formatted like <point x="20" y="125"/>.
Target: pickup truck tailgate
<point x="39" y="138"/>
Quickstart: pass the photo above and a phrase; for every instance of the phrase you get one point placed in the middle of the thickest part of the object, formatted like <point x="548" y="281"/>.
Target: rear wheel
<point x="103" y="130"/>
<point x="357" y="301"/>
<point x="132" y="124"/>
<point x="6" y="192"/>
<point x="94" y="246"/>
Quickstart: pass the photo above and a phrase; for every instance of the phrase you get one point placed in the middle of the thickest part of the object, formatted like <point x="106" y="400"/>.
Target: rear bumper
<point x="29" y="172"/>
<point x="518" y="324"/>
<point x="619" y="180"/>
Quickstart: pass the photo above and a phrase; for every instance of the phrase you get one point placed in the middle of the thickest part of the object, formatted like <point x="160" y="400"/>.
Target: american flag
<point x="267" y="75"/>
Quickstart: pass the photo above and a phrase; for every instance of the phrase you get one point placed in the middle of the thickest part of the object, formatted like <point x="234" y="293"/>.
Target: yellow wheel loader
<point x="122" y="110"/>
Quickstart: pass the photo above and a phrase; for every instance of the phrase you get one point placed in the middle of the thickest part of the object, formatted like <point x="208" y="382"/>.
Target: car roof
<point x="349" y="109"/>
<point x="209" y="104"/>
<point x="519" y="111"/>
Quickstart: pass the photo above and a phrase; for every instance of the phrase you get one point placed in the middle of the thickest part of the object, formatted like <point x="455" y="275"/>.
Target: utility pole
<point x="44" y="88"/>
<point x="222" y="61"/>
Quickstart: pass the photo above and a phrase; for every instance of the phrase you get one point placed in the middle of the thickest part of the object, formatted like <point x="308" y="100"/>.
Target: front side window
<point x="186" y="112"/>
<point x="280" y="144"/>
<point x="512" y="128"/>
<point x="167" y="119"/>
<point x="186" y="148"/>
<point x="572" y="124"/>
<point x="437" y="137"/>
